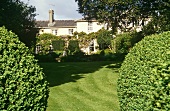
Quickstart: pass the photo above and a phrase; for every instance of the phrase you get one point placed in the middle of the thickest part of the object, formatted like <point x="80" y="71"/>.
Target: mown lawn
<point x="82" y="86"/>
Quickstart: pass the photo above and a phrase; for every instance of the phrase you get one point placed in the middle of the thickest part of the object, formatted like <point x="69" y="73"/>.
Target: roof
<point x="86" y="20"/>
<point x="56" y="23"/>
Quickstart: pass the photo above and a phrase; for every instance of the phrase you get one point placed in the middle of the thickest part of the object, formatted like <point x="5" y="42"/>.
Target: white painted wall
<point x="57" y="31"/>
<point x="64" y="31"/>
<point x="97" y="26"/>
<point x="82" y="26"/>
<point x="41" y="31"/>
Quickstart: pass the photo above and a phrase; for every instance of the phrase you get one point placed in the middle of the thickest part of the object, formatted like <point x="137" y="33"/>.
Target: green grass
<point x="82" y="86"/>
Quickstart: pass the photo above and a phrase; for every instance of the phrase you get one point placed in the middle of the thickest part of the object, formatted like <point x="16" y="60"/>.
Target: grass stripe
<point x="82" y="86"/>
<point x="94" y="90"/>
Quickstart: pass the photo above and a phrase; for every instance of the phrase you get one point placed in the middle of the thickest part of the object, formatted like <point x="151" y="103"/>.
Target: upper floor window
<point x="90" y="29"/>
<point x="70" y="31"/>
<point x="54" y="32"/>
<point x="90" y="26"/>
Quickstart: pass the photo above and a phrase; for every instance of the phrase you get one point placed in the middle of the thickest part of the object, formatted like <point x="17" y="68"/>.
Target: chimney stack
<point x="51" y="16"/>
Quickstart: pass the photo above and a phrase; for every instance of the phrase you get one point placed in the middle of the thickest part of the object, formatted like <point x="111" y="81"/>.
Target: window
<point x="38" y="49"/>
<point x="70" y="31"/>
<point x="91" y="46"/>
<point x="54" y="32"/>
<point x="90" y="26"/>
<point x="90" y="29"/>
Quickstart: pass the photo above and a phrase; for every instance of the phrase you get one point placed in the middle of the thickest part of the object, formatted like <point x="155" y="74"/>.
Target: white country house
<point x="56" y="27"/>
<point x="68" y="27"/>
<point x="65" y="28"/>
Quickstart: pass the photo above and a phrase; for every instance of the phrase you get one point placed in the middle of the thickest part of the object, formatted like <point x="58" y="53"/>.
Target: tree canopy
<point x="120" y="13"/>
<point x="17" y="16"/>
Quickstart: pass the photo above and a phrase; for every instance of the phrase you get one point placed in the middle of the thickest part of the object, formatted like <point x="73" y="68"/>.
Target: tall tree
<point x="18" y="17"/>
<point x="109" y="11"/>
<point x="157" y="10"/>
<point x="120" y="13"/>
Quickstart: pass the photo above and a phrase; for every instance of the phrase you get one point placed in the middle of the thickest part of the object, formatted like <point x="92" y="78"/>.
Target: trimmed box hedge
<point x="23" y="86"/>
<point x="58" y="45"/>
<point x="144" y="80"/>
<point x="73" y="45"/>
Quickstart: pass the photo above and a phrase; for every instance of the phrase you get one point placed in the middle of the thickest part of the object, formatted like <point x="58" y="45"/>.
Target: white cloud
<point x="63" y="9"/>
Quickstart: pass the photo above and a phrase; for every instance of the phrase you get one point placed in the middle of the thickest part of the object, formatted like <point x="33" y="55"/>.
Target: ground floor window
<point x="91" y="46"/>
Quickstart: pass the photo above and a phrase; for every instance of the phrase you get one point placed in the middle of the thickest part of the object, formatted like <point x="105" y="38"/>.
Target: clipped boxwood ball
<point x="144" y="80"/>
<point x="23" y="86"/>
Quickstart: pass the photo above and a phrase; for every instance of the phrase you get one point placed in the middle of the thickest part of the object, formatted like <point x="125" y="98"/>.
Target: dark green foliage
<point x="17" y="16"/>
<point x="121" y="13"/>
<point x="58" y="45"/>
<point x="157" y="25"/>
<point x="104" y="55"/>
<point x="22" y="83"/>
<point x="76" y="56"/>
<point x="45" y="58"/>
<point x="73" y="45"/>
<point x="104" y="38"/>
<point x="122" y="43"/>
<point x="144" y="80"/>
<point x="109" y="55"/>
<point x="51" y="57"/>
<point x="108" y="11"/>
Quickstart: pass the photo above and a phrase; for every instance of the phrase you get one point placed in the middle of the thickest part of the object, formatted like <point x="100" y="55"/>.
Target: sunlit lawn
<point x="82" y="86"/>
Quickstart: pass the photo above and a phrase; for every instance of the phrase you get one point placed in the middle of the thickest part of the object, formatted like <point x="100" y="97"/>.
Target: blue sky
<point x="63" y="9"/>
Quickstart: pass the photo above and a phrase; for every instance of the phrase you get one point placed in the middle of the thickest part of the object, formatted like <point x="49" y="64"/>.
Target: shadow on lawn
<point x="60" y="73"/>
<point x="117" y="65"/>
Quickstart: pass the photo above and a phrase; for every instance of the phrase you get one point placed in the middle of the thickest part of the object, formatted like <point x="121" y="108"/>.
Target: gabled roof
<point x="56" y="23"/>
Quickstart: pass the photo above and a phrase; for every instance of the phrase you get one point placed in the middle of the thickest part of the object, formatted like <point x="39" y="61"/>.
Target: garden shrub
<point x="109" y="55"/>
<point x="122" y="43"/>
<point x="104" y="38"/>
<point x="58" y="45"/>
<point x="106" y="55"/>
<point x="73" y="46"/>
<point x="23" y="86"/>
<point x="50" y="57"/>
<point x="46" y="58"/>
<point x="77" y="56"/>
<point x="45" y="40"/>
<point x="144" y="80"/>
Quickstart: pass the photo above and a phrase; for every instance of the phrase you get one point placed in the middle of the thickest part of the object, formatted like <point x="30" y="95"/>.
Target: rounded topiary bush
<point x="144" y="80"/>
<point x="22" y="83"/>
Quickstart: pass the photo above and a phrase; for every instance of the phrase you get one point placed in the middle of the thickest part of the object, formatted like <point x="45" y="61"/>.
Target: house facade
<point x="64" y="28"/>
<point x="58" y="27"/>
<point x="67" y="27"/>
<point x="88" y="26"/>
